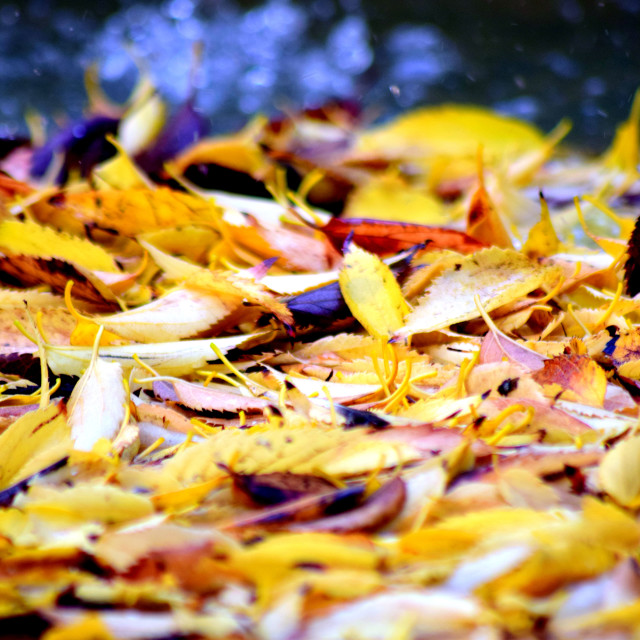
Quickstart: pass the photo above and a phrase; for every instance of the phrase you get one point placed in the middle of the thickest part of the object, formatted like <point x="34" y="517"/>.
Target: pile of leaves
<point x="386" y="389"/>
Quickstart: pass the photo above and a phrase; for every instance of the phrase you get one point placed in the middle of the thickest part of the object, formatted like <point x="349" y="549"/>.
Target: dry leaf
<point x="372" y="293"/>
<point x="497" y="276"/>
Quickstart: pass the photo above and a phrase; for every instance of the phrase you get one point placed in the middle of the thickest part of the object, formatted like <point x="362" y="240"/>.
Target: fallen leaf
<point x="372" y="293"/>
<point x="377" y="511"/>
<point x="497" y="276"/>
<point x="576" y="378"/>
<point x="386" y="238"/>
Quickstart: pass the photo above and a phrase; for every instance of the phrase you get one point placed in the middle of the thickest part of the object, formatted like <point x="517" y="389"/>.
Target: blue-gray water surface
<point x="539" y="60"/>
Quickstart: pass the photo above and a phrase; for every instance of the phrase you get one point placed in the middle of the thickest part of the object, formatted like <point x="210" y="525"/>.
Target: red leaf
<point x="385" y="237"/>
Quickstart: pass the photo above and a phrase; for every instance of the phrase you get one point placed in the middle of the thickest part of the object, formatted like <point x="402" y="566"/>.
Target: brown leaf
<point x="31" y="271"/>
<point x="275" y="488"/>
<point x="302" y="509"/>
<point x="381" y="507"/>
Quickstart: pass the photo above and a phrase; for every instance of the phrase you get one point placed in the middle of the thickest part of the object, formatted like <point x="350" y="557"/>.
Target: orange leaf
<point x="577" y="378"/>
<point x="386" y="238"/>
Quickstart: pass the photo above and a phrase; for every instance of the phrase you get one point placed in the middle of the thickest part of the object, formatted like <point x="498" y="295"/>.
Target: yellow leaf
<point x="128" y="212"/>
<point x="85" y="332"/>
<point x="483" y="221"/>
<point x="229" y="286"/>
<point x="191" y="241"/>
<point x="372" y="293"/>
<point x="142" y="124"/>
<point x="497" y="276"/>
<point x="389" y="197"/>
<point x="542" y="240"/>
<point x="454" y="130"/>
<point x="86" y="627"/>
<point x="170" y="358"/>
<point x="623" y="153"/>
<point x="240" y="152"/>
<point x="86" y="502"/>
<point x="32" y="239"/>
<point x="37" y="432"/>
<point x="181" y="313"/>
<point x="119" y="172"/>
<point x="620" y="472"/>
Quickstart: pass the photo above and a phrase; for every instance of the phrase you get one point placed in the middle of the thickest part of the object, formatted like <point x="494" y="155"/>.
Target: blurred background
<point x="540" y="60"/>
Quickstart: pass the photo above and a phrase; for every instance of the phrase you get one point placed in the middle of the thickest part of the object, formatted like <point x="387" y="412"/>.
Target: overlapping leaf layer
<point x="230" y="415"/>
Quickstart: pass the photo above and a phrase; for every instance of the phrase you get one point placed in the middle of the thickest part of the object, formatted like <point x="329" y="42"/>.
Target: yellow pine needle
<point x="577" y="320"/>
<point x="334" y="416"/>
<point x="151" y="448"/>
<point x="465" y="369"/>
<point x="18" y="325"/>
<point x="609" y="311"/>
<point x="309" y="181"/>
<point x="186" y="443"/>
<point x="556" y="288"/>
<point x="225" y="377"/>
<point x="45" y="392"/>
<point x="401" y="391"/>
<point x="146" y="367"/>
<point x="424" y="376"/>
<point x="381" y="377"/>
<point x="69" y="303"/>
<point x="55" y="387"/>
<point x="282" y="396"/>
<point x="248" y="381"/>
<point x="127" y="403"/>
<point x="610" y="213"/>
<point x="39" y="316"/>
<point x="510" y="427"/>
<point x="383" y="345"/>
